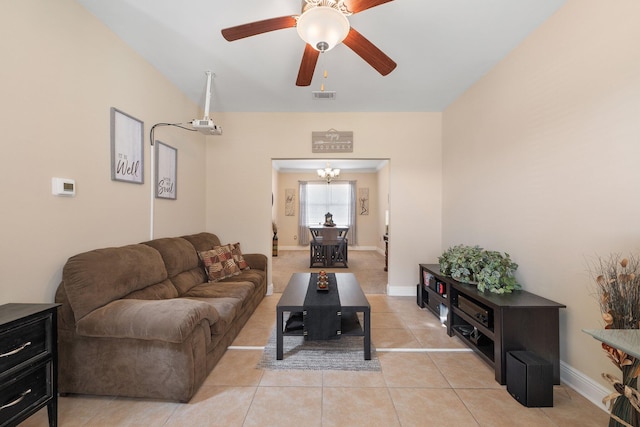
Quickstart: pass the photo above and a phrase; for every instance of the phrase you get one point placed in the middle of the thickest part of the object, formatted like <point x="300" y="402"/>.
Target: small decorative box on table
<point x="323" y="282"/>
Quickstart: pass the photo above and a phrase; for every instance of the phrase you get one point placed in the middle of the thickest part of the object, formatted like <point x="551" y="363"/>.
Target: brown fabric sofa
<point x="143" y="321"/>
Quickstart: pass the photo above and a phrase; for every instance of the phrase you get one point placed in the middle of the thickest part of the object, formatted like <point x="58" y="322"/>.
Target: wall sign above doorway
<point x="332" y="141"/>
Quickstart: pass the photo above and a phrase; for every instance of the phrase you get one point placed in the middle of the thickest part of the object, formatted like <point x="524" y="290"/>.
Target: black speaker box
<point x="420" y="296"/>
<point x="529" y="379"/>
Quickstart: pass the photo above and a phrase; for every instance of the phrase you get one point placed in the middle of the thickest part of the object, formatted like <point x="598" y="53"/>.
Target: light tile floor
<point x="451" y="388"/>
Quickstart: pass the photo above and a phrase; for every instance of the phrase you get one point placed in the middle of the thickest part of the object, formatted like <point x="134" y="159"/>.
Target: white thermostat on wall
<point x="63" y="187"/>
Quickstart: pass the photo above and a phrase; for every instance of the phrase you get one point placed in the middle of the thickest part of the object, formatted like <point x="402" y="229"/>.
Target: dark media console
<point x="493" y="324"/>
<point x="481" y="314"/>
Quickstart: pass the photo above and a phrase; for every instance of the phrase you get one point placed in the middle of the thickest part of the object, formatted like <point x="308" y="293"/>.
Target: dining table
<point x="328" y="246"/>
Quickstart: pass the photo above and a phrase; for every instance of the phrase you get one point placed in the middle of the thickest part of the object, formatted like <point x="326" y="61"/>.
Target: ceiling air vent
<point x="323" y="95"/>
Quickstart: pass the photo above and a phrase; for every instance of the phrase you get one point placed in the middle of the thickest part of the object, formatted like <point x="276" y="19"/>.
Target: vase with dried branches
<point x="274" y="228"/>
<point x="617" y="282"/>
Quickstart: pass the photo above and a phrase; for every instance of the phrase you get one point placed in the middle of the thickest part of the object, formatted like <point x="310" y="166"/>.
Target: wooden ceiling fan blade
<point x="258" y="27"/>
<point x="307" y="66"/>
<point x="369" y="52"/>
<point x="356" y="6"/>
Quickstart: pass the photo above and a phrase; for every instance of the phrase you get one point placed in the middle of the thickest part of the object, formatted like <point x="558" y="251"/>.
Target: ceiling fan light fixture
<point x="323" y="27"/>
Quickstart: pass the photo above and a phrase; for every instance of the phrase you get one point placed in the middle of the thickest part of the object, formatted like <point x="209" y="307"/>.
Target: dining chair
<point x="334" y="245"/>
<point x="316" y="250"/>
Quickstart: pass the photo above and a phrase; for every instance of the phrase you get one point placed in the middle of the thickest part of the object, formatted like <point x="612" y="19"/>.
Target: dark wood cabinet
<point x="28" y="362"/>
<point x="493" y="324"/>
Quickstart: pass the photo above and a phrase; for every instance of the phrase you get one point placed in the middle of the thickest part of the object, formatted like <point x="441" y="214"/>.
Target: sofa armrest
<point x="256" y="261"/>
<point x="170" y="320"/>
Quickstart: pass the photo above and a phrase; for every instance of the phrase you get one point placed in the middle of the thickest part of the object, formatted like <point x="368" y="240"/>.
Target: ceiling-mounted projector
<point x="206" y="125"/>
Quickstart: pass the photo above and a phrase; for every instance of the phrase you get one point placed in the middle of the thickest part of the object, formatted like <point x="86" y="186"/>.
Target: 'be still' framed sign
<point x="166" y="169"/>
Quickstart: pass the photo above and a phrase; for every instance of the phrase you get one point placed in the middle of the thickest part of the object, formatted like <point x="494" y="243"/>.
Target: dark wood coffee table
<point x="352" y="302"/>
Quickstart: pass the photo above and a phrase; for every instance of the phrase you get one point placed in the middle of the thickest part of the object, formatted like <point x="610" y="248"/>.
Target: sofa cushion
<point x="166" y="320"/>
<point x="95" y="278"/>
<point x="219" y="263"/>
<point x="239" y="290"/>
<point x="227" y="309"/>
<point x="255" y="277"/>
<point x="163" y="290"/>
<point x="182" y="262"/>
<point x="203" y="241"/>
<point x="178" y="254"/>
<point x="188" y="279"/>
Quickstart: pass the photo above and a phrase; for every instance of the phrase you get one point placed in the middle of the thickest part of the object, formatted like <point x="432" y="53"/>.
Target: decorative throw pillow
<point x="237" y="256"/>
<point x="219" y="263"/>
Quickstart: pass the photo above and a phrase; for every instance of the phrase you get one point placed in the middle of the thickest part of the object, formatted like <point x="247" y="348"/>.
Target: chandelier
<point x="328" y="173"/>
<point x="323" y="23"/>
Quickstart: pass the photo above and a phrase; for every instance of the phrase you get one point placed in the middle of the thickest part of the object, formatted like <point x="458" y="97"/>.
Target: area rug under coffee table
<point x="344" y="354"/>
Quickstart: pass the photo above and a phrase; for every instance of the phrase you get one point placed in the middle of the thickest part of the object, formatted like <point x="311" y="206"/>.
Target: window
<point x="323" y="198"/>
<point x="318" y="198"/>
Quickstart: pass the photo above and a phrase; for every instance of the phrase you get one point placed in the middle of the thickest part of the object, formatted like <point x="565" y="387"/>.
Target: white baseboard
<point x="294" y="248"/>
<point x="365" y="248"/>
<point x="269" y="289"/>
<point x="587" y="387"/>
<point x="351" y="248"/>
<point x="401" y="291"/>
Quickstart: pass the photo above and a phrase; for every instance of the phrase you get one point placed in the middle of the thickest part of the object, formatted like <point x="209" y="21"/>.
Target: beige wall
<point x="367" y="225"/>
<point x="61" y="72"/>
<point x="383" y="203"/>
<point x="239" y="173"/>
<point x="541" y="156"/>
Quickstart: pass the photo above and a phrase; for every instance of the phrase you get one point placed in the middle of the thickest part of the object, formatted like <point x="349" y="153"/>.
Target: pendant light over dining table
<point x="328" y="173"/>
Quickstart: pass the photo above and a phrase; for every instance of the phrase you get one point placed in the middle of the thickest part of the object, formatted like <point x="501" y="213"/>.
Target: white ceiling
<point x="441" y="47"/>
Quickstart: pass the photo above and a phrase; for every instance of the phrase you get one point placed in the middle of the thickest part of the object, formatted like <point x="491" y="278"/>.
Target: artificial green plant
<point x="491" y="270"/>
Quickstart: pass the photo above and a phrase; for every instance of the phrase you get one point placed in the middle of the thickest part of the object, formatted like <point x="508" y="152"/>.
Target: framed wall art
<point x="363" y="200"/>
<point x="166" y="171"/>
<point x="289" y="202"/>
<point x="127" y="149"/>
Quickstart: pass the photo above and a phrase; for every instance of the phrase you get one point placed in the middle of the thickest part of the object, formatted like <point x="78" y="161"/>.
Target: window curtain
<point x="352" y="235"/>
<point x="303" y="230"/>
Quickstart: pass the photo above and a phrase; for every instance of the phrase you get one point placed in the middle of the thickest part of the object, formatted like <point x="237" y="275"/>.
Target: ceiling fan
<point x="323" y="24"/>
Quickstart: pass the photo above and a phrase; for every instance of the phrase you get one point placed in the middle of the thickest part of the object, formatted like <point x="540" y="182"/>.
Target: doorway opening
<point x="370" y="178"/>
